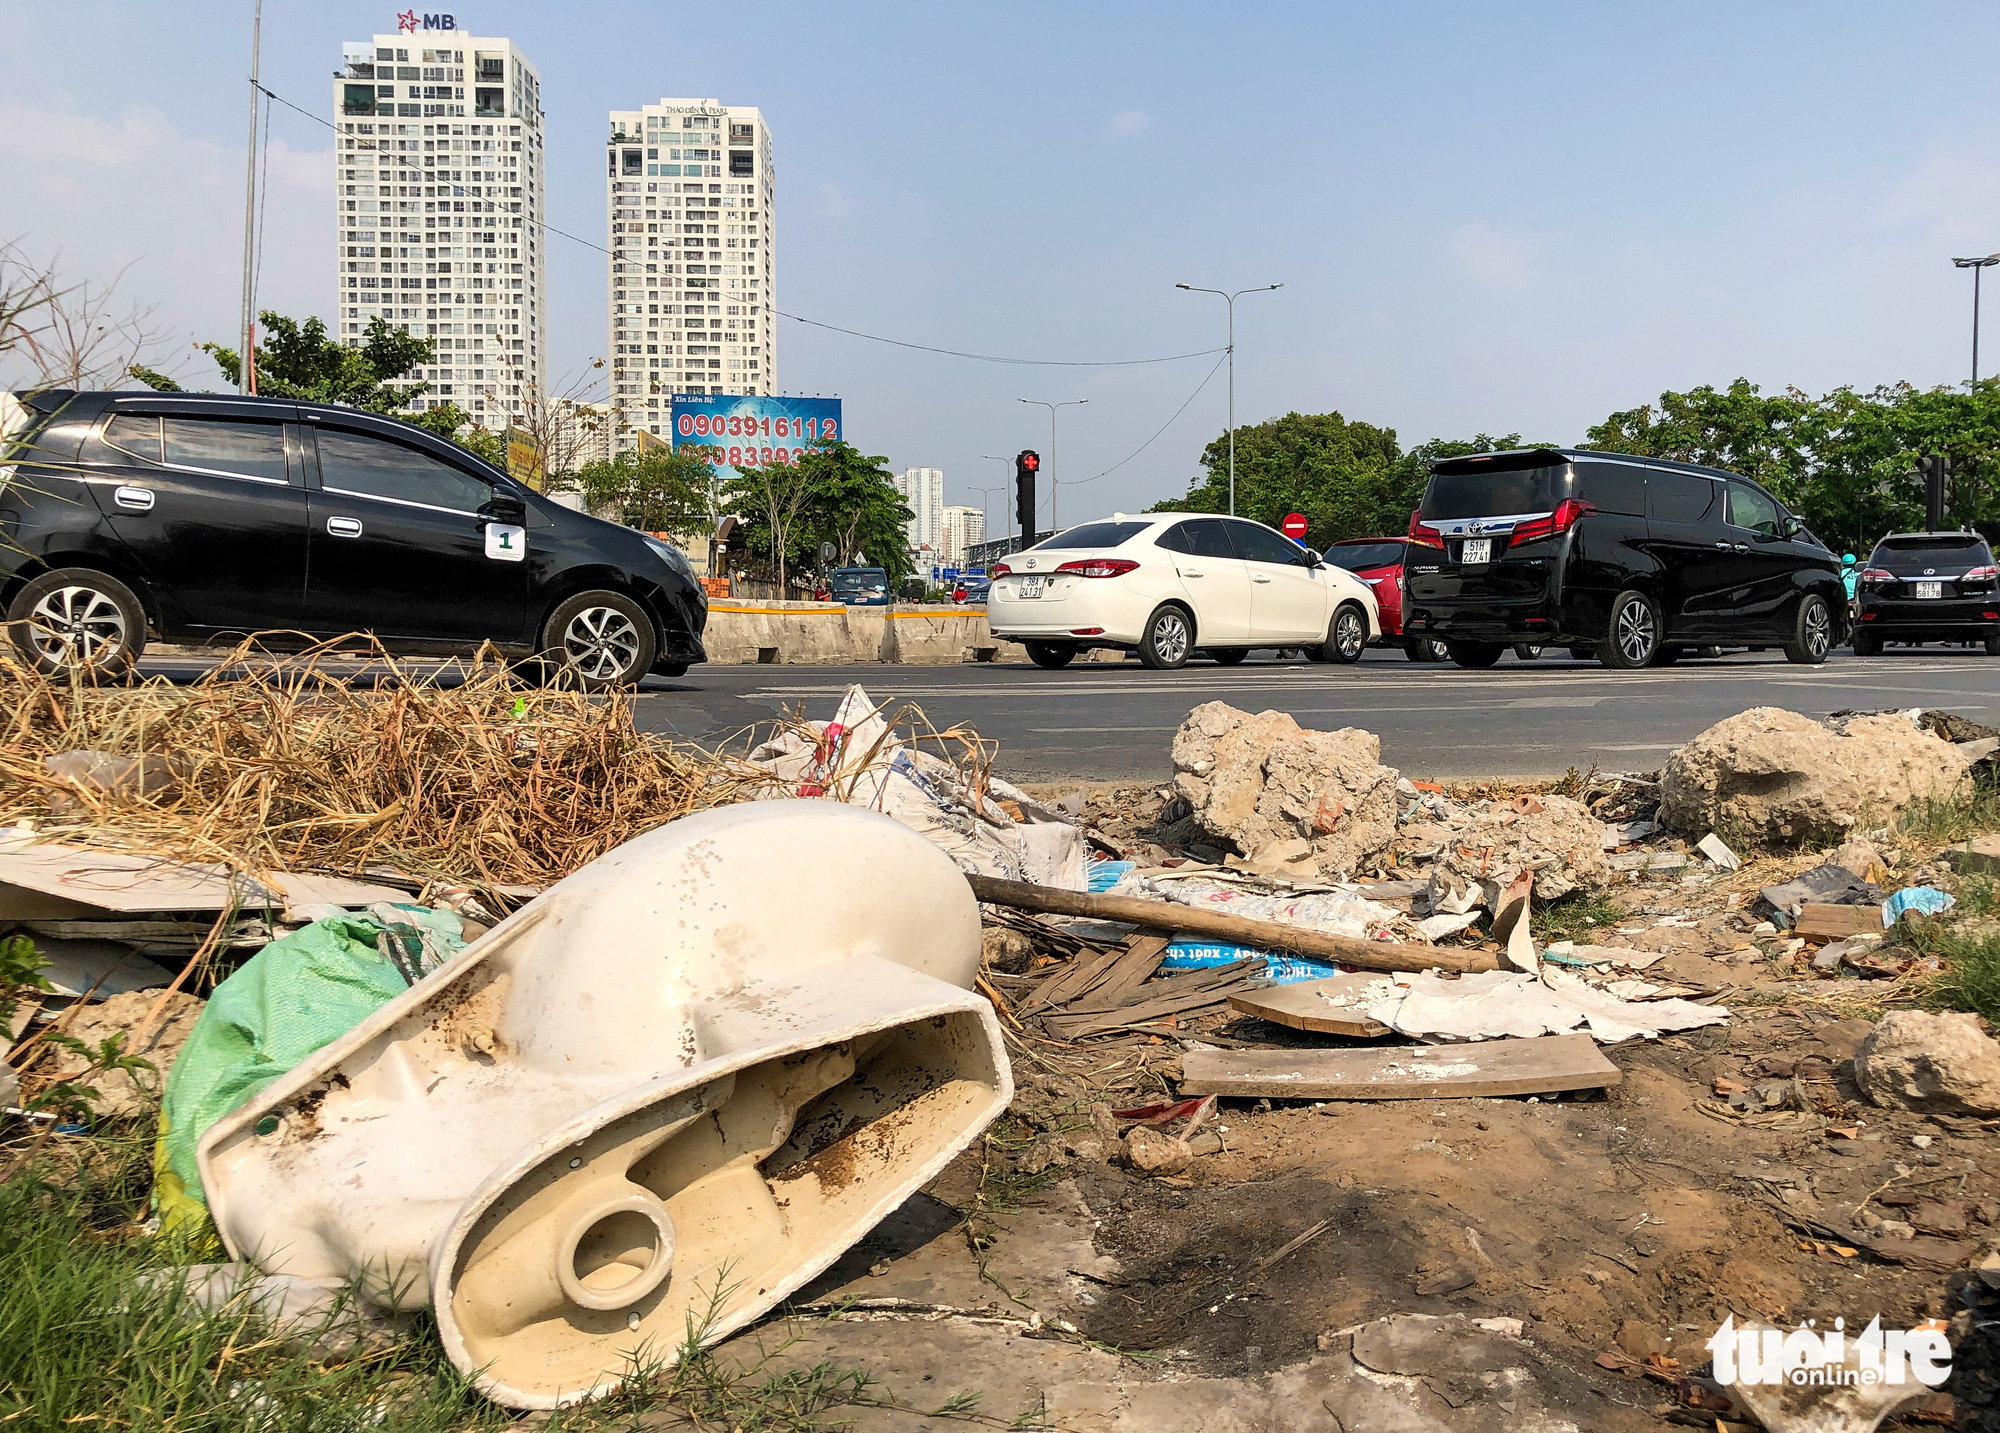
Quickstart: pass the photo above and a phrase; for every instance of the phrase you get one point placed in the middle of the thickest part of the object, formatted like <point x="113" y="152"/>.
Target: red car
<point x="1378" y="561"/>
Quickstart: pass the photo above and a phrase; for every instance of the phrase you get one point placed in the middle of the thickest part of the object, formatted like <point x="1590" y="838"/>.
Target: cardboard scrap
<point x="99" y="881"/>
<point x="1496" y="1004"/>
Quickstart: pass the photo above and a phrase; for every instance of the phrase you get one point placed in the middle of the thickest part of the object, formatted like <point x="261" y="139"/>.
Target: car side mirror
<point x="1315" y="559"/>
<point x="1794" y="525"/>
<point x="504" y="507"/>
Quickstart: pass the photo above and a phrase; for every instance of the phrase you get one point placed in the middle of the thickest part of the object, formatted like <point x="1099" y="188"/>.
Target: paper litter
<point x="1496" y="1004"/>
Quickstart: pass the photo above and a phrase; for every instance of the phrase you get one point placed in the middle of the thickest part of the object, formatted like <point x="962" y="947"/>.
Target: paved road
<point x="1107" y="722"/>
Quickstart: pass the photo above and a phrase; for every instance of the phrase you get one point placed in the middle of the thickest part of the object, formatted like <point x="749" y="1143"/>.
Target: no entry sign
<point x="1295" y="526"/>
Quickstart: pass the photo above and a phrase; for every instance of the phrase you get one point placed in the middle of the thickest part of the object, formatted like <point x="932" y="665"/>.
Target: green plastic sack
<point x="296" y="995"/>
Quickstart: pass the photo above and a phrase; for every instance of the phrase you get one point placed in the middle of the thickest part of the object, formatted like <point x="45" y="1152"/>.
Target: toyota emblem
<point x="1031" y="564"/>
<point x="1930" y="572"/>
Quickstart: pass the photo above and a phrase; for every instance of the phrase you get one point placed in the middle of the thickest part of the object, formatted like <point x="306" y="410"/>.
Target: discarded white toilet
<point x="682" y="1082"/>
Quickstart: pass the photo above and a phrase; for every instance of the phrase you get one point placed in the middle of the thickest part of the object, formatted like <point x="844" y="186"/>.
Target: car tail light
<point x="1876" y="574"/>
<point x="1099" y="567"/>
<point x="999" y="569"/>
<point x="1566" y="516"/>
<point x="1981" y="574"/>
<point x="1423" y="533"/>
<point x="1086" y="631"/>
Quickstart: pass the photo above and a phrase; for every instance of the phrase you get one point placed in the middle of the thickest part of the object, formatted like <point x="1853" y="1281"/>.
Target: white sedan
<point x="1166" y="586"/>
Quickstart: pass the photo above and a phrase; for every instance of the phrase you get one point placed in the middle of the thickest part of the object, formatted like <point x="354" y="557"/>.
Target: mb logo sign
<point x="409" y="22"/>
<point x="1807" y="1358"/>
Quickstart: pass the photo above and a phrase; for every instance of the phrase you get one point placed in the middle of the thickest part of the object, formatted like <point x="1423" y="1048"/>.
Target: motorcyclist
<point x="1850" y="572"/>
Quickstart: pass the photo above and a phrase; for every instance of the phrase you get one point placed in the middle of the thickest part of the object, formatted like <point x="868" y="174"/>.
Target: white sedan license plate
<point x="1930" y="589"/>
<point x="1476" y="550"/>
<point x="1031" y="587"/>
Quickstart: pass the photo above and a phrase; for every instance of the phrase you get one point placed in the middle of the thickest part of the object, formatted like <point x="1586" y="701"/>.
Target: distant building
<point x="923" y="493"/>
<point x="581" y="435"/>
<point x="438" y="211"/>
<point x="692" y="279"/>
<point x="963" y="527"/>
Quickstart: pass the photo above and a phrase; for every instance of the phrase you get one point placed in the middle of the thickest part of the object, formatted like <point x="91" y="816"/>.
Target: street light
<point x="1231" y="299"/>
<point x="1055" y="513"/>
<point x="1976" y="265"/>
<point x="1007" y="463"/>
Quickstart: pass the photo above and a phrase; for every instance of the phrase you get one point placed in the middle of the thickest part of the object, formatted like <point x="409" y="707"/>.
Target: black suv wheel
<point x="1812" y="631"/>
<point x="1632" y="636"/>
<point x="1050" y="654"/>
<point x="78" y="624"/>
<point x="1426" y="649"/>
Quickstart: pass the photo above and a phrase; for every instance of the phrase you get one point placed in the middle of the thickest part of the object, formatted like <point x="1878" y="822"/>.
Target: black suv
<point x="1928" y="587"/>
<point x="1630" y="559"/>
<point x="204" y="517"/>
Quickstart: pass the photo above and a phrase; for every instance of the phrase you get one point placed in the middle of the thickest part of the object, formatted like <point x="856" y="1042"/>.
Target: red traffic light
<point x="1029" y="461"/>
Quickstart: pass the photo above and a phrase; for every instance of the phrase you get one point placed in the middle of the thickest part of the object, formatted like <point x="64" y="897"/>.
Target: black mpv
<point x="205" y="517"/>
<point x="1630" y="559"/>
<point x="1928" y="587"/>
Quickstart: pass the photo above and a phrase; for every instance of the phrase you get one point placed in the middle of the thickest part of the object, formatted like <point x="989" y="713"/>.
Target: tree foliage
<point x="660" y="489"/>
<point x="1844" y="462"/>
<point x="834" y="494"/>
<point x="1349" y="479"/>
<point x="301" y="360"/>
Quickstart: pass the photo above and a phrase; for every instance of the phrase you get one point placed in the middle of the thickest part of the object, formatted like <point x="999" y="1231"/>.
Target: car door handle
<point x="133" y="499"/>
<point x="1187" y="573"/>
<point x="1264" y="580"/>
<point x="343" y="526"/>
<point x="1725" y="546"/>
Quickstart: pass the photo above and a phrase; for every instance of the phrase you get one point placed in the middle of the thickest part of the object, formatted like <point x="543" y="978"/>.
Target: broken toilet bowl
<point x="677" y="1086"/>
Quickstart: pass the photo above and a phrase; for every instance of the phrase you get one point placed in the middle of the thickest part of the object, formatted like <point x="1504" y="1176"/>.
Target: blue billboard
<point x="750" y="431"/>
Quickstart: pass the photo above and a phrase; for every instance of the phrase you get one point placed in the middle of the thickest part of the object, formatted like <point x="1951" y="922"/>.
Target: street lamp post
<point x="1055" y="512"/>
<point x="1008" y="463"/>
<point x="1231" y="300"/>
<point x="1976" y="265"/>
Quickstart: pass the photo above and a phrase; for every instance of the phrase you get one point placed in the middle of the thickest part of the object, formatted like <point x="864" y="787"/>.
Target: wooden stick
<point x="1262" y="935"/>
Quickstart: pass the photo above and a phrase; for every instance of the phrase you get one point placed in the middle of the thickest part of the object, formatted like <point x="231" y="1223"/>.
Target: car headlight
<point x="672" y="556"/>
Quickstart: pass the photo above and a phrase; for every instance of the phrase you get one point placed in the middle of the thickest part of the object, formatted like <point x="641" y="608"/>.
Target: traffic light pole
<point x="1055" y="510"/>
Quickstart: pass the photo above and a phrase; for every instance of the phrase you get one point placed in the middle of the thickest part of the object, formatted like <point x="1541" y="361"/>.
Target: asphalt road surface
<point x="1105" y="722"/>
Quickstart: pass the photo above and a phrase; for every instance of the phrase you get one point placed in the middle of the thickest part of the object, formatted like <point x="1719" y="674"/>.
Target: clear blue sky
<point x="1487" y="218"/>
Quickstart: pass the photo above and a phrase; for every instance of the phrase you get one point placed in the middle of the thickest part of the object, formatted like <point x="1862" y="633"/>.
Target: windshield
<point x="1912" y="556"/>
<point x="1095" y="534"/>
<point x="1355" y="556"/>
<point x="1501" y="493"/>
<point x="860" y="579"/>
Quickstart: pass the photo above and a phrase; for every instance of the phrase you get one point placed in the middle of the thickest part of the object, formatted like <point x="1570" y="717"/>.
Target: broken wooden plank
<point x="1537" y="1066"/>
<point x="1077" y="1026"/>
<point x="1065" y="985"/>
<point x="1207" y="978"/>
<point x="1238" y="930"/>
<point x="1305" y="1006"/>
<point x="1834" y="921"/>
<point x="1132" y="969"/>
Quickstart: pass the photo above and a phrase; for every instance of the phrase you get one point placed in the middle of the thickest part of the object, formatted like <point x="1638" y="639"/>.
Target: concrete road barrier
<point x="746" y="630"/>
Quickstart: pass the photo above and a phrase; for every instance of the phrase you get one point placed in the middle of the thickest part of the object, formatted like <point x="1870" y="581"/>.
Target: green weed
<point x="1572" y="917"/>
<point x="1971" y="808"/>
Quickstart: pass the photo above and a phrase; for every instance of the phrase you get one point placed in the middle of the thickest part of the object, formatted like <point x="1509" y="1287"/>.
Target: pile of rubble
<point x="1289" y="931"/>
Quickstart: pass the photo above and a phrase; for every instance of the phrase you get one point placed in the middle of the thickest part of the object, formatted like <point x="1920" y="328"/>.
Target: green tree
<point x="1737" y="428"/>
<point x="300" y="360"/>
<point x="1342" y="475"/>
<point x="661" y="489"/>
<point x="855" y="506"/>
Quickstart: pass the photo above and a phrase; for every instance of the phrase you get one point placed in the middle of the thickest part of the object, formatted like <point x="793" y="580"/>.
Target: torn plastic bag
<point x="1335" y="912"/>
<point x="858" y="759"/>
<point x="296" y="995"/>
<point x="1281" y="967"/>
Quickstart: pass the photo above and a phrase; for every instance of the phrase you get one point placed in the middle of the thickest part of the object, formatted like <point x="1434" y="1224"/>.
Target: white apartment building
<point x="692" y="279"/>
<point x="923" y="493"/>
<point x="439" y="205"/>
<point x="963" y="527"/>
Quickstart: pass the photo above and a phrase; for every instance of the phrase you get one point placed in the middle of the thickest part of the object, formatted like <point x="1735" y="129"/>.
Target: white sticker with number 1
<point x="506" y="543"/>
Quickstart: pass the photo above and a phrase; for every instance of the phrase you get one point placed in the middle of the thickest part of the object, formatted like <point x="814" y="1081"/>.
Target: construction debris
<point x="1943" y="1062"/>
<point x="1498" y="1067"/>
<point x="1255" y="783"/>
<point x="1498" y="1004"/>
<point x="1559" y="843"/>
<point x="1786" y="781"/>
<point x="501" y="1141"/>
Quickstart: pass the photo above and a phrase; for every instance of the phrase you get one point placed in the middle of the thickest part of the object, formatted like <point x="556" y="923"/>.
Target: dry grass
<point x="459" y="773"/>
